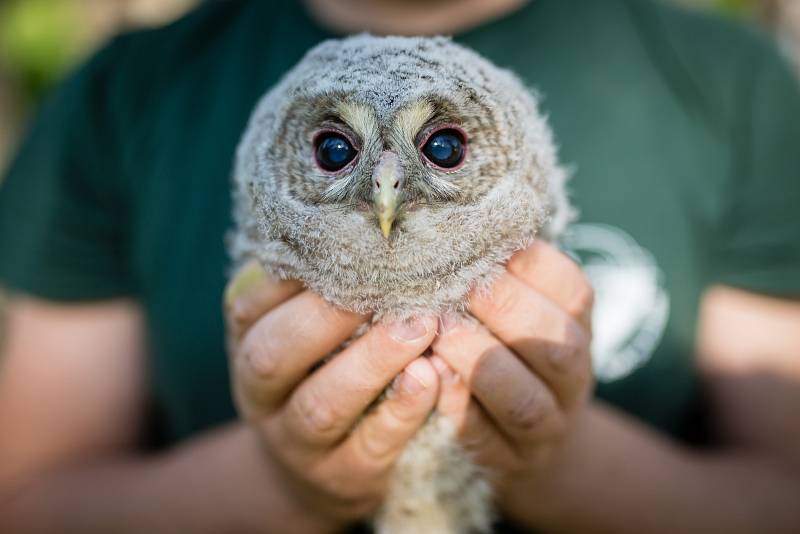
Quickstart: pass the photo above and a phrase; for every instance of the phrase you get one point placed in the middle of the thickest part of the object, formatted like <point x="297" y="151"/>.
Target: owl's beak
<point x="387" y="190"/>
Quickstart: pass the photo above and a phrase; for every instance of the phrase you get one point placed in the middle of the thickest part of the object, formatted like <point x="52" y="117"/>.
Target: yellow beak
<point x="387" y="190"/>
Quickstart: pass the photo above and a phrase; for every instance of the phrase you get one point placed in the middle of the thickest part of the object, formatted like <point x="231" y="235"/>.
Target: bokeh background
<point x="41" y="40"/>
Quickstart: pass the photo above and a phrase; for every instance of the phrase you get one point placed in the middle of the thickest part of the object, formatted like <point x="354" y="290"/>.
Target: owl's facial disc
<point x="388" y="180"/>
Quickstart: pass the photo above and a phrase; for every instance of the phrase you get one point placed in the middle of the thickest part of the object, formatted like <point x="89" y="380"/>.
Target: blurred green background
<point x="40" y="40"/>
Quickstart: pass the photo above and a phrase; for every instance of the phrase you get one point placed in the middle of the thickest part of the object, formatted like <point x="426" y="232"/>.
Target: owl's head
<point x="380" y="164"/>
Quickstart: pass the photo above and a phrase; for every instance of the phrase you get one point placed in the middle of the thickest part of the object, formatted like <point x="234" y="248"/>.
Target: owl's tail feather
<point x="436" y="488"/>
<point x="425" y="519"/>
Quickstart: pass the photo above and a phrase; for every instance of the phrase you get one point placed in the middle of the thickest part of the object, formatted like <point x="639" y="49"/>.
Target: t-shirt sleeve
<point x="62" y="202"/>
<point x="758" y="247"/>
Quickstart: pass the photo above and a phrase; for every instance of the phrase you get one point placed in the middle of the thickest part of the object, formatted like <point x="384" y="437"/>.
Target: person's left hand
<point x="516" y="384"/>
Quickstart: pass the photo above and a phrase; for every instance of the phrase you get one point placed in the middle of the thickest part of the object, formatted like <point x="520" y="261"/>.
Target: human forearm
<point x="217" y="483"/>
<point x="615" y="475"/>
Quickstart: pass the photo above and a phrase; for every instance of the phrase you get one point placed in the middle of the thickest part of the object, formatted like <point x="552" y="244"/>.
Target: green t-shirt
<point x="683" y="133"/>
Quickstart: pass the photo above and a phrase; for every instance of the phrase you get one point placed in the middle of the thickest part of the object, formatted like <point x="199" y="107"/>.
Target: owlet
<point x="392" y="176"/>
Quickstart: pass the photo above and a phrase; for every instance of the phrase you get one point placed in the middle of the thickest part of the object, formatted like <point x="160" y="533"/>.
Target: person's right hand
<point x="335" y="454"/>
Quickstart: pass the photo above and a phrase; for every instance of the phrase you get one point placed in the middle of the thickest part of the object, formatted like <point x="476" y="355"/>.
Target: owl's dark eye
<point x="445" y="148"/>
<point x="333" y="151"/>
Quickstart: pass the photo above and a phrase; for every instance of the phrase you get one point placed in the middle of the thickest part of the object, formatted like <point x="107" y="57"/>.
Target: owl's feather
<point x="454" y="233"/>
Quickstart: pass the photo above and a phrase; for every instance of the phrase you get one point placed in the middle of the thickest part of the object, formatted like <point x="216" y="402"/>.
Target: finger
<point x="476" y="431"/>
<point x="550" y="342"/>
<point x="518" y="401"/>
<point x="282" y="347"/>
<point x="556" y="276"/>
<point x="329" y="402"/>
<point x="382" y="435"/>
<point x="485" y="442"/>
<point x="454" y="395"/>
<point x="250" y="294"/>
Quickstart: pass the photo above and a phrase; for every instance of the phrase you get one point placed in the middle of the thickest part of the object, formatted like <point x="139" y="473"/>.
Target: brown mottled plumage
<point x="453" y="230"/>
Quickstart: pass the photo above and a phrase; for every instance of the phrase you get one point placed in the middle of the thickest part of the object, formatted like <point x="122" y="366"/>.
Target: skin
<point x="403" y="17"/>
<point x="305" y="457"/>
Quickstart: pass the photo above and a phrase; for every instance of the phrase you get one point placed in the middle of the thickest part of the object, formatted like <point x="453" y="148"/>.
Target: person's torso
<point x="646" y="167"/>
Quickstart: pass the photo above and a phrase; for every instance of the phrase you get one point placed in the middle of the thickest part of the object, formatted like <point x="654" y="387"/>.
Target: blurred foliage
<point x="39" y="41"/>
<point x="42" y="39"/>
<point x="737" y="7"/>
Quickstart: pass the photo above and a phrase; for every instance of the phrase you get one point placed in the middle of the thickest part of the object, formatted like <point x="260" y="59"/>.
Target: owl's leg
<point x="436" y="488"/>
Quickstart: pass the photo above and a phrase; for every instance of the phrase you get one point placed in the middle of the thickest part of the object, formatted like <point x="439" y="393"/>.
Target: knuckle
<point x="315" y="417"/>
<point x="582" y="300"/>
<point x="263" y="361"/>
<point x="386" y="430"/>
<point x="239" y="314"/>
<point x="401" y="410"/>
<point x="529" y="413"/>
<point x="565" y="356"/>
<point x="375" y="449"/>
<point x="570" y="350"/>
<point x="409" y="407"/>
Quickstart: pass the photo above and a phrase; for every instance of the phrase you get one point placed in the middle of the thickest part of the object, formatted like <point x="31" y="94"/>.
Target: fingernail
<point x="246" y="279"/>
<point x="411" y="383"/>
<point x="409" y="330"/>
<point x="446" y="373"/>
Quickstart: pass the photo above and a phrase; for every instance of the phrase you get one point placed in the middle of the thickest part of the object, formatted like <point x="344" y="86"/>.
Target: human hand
<point x="516" y="384"/>
<point x="335" y="456"/>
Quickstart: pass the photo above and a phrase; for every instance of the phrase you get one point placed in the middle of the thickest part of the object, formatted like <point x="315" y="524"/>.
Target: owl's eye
<point x="333" y="151"/>
<point x="445" y="148"/>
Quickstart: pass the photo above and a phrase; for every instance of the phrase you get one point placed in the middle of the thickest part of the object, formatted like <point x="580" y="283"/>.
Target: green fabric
<point x="683" y="131"/>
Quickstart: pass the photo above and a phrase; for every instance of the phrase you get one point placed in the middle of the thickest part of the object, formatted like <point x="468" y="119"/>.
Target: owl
<point x="392" y="176"/>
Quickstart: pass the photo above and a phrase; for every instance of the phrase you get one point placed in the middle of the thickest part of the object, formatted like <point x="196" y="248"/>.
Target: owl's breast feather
<point x="435" y="258"/>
